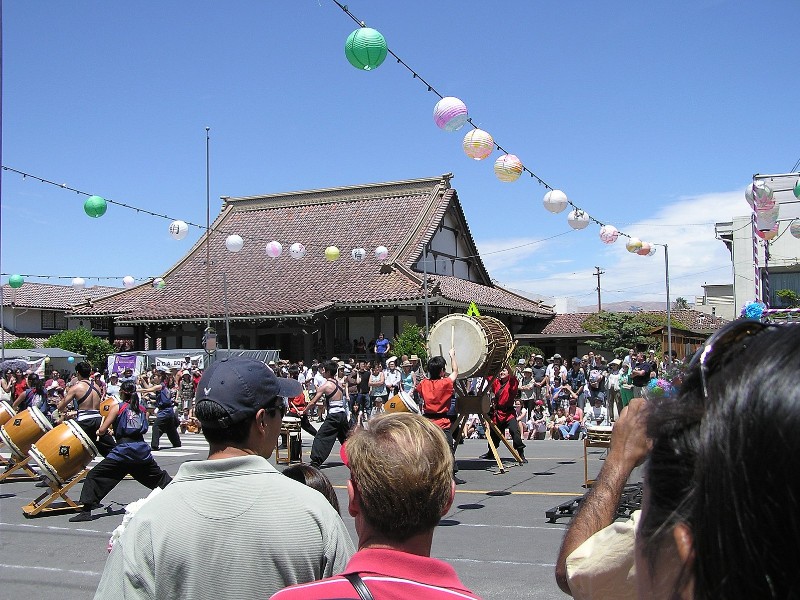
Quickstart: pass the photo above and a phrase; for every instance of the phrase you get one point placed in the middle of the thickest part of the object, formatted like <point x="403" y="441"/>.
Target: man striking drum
<point x="131" y="455"/>
<point x="84" y="397"/>
<point x="437" y="395"/>
<point x="336" y="424"/>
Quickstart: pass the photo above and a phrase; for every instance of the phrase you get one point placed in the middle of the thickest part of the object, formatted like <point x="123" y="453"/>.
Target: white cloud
<point x="695" y="256"/>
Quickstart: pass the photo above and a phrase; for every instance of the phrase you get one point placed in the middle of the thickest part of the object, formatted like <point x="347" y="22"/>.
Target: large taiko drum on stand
<point x="481" y="343"/>
<point x="63" y="452"/>
<point x="20" y="432"/>
<point x="7" y="412"/>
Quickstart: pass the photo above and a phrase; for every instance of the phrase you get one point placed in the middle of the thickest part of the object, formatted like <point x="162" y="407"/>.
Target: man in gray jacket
<point x="231" y="526"/>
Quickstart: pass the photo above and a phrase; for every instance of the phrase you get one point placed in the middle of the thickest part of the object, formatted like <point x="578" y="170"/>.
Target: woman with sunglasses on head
<point x="7" y="386"/>
<point x="719" y="516"/>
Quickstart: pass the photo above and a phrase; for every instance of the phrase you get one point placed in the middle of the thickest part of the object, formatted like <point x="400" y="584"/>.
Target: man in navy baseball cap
<point x="241" y="387"/>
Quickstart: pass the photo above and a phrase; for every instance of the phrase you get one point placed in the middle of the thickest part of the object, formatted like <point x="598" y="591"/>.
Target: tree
<point x="21" y="344"/>
<point x="81" y="341"/>
<point x="789" y="298"/>
<point x="411" y="341"/>
<point x="680" y="303"/>
<point x="621" y="331"/>
<point x="526" y="352"/>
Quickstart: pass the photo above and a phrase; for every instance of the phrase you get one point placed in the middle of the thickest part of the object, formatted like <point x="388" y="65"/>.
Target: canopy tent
<point x="58" y="358"/>
<point x="172" y="359"/>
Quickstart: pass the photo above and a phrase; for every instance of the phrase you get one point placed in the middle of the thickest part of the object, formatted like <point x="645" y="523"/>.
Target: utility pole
<point x="597" y="273"/>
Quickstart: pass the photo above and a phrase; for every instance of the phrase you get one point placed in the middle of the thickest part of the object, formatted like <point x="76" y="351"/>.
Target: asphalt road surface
<point x="496" y="534"/>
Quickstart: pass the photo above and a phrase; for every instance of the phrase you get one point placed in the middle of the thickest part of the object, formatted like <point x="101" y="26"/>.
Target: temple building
<point x="310" y="306"/>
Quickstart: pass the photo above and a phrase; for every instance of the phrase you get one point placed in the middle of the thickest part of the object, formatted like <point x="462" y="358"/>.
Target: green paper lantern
<point x="95" y="206"/>
<point x="365" y="48"/>
<point x="797" y="189"/>
<point x="16" y="281"/>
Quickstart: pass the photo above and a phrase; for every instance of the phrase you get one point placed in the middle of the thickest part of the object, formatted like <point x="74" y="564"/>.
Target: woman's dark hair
<point x="127" y="392"/>
<point x="36" y="383"/>
<point x="315" y="479"/>
<point x="435" y="367"/>
<point x="725" y="466"/>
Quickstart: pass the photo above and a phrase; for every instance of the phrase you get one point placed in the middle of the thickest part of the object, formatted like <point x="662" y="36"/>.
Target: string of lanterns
<point x="366" y="49"/>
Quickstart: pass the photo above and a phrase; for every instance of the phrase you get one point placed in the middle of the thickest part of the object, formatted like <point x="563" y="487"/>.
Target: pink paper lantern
<point x="645" y="249"/>
<point x="450" y="114"/>
<point x="274" y="249"/>
<point x="478" y="144"/>
<point x="768" y="235"/>
<point x="381" y="252"/>
<point x="508" y="168"/>
<point x="608" y="234"/>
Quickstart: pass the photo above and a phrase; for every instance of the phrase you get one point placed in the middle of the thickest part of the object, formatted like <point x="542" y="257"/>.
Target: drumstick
<point x="452" y="336"/>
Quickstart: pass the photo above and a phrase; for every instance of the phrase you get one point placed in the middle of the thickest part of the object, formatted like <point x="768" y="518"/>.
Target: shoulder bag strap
<point x="359" y="585"/>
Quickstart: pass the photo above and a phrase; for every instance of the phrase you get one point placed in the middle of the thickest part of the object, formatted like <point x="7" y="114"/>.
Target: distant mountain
<point x="625" y="306"/>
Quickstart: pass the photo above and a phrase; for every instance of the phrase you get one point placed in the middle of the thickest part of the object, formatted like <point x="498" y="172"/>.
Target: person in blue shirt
<point x="382" y="347"/>
<point x="130" y="456"/>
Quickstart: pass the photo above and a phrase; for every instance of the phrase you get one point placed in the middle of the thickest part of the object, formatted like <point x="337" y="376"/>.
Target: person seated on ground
<point x="557" y="420"/>
<point x="571" y="429"/>
<point x="719" y="516"/>
<point x="230" y="526"/>
<point x="316" y="480"/>
<point x="596" y="415"/>
<point x="401" y="456"/>
<point x="537" y="424"/>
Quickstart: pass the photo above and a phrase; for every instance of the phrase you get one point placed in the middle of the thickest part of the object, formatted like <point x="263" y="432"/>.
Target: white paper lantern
<point x="763" y="195"/>
<point x="633" y="245"/>
<point x="128" y="281"/>
<point x="234" y="243"/>
<point x="274" y="249"/>
<point x="794" y="229"/>
<point x="381" y="252"/>
<point x="297" y="251"/>
<point x="178" y="230"/>
<point x="478" y="144"/>
<point x="555" y="201"/>
<point x="358" y="254"/>
<point x="159" y="283"/>
<point x="79" y="283"/>
<point x="578" y="219"/>
<point x="652" y="250"/>
<point x="508" y="168"/>
<point x="645" y="249"/>
<point x="450" y="114"/>
<point x="608" y="234"/>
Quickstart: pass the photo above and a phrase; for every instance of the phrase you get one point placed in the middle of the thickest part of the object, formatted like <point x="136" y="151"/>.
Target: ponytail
<point x="128" y="393"/>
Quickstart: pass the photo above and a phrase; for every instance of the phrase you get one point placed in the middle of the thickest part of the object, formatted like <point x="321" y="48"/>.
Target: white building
<point x="761" y="268"/>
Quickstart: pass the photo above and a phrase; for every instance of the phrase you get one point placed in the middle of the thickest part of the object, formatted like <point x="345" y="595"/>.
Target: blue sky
<point x="651" y="116"/>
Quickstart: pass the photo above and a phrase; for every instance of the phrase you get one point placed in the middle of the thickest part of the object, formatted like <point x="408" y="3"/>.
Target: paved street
<point x="496" y="534"/>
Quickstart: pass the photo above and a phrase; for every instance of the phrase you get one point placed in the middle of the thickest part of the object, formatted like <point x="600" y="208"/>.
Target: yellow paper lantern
<point x="332" y="253"/>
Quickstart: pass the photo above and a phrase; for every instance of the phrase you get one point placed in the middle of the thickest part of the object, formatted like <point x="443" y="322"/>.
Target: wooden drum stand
<point x="46" y="503"/>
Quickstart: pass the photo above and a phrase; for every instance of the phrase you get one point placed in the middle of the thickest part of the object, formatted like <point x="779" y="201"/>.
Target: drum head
<point x="468" y="338"/>
<point x="409" y="401"/>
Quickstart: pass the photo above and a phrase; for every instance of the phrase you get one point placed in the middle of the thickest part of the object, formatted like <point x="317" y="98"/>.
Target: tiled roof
<point x="50" y="296"/>
<point x="402" y="216"/>
<point x="464" y="292"/>
<point x="568" y="323"/>
<point x="692" y="320"/>
<point x="38" y="340"/>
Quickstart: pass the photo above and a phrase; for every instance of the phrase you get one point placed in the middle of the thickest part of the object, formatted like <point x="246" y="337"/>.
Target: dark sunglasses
<point x="727" y="343"/>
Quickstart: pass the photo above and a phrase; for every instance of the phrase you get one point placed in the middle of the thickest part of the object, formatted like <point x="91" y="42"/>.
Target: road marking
<point x="53" y="528"/>
<point x="559" y="530"/>
<point x="500" y="562"/>
<point x="51" y="570"/>
<point x="169" y="452"/>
